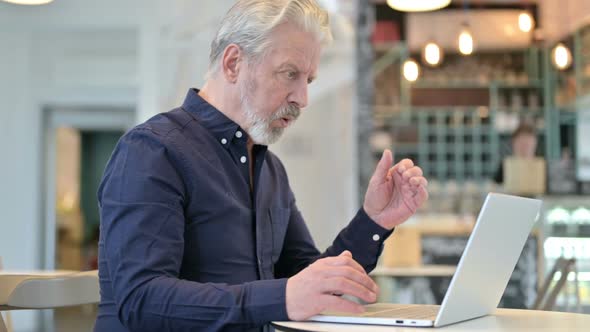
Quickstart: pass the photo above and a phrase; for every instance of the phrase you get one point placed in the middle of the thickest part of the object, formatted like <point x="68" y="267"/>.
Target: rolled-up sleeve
<point x="142" y="199"/>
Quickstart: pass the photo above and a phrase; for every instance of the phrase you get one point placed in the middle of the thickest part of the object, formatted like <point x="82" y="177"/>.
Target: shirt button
<point x="238" y="134"/>
<point x="243" y="159"/>
<point x="223" y="141"/>
<point x="376" y="237"/>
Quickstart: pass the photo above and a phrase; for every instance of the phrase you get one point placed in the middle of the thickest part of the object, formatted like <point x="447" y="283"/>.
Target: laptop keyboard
<point x="401" y="311"/>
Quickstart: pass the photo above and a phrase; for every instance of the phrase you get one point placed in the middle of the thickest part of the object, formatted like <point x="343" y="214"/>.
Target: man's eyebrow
<point x="292" y="66"/>
<point x="289" y="65"/>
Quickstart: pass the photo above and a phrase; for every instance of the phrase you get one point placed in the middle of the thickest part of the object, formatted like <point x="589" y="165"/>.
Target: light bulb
<point x="562" y="56"/>
<point x="432" y="54"/>
<point x="411" y="70"/>
<point x="28" y="2"/>
<point x="417" y="5"/>
<point x="465" y="42"/>
<point x="525" y="22"/>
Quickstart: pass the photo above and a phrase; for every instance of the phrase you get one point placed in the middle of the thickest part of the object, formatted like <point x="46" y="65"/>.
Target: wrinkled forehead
<point x="295" y="46"/>
<point x="303" y="58"/>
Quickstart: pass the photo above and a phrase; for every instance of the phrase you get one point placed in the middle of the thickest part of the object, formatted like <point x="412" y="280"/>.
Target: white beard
<point x="259" y="129"/>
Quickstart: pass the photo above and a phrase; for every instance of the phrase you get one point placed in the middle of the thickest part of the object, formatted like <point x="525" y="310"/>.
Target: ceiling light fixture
<point x="465" y="40"/>
<point x="562" y="56"/>
<point x="417" y="5"/>
<point x="411" y="70"/>
<point x="28" y="2"/>
<point x="432" y="54"/>
<point x="526" y="23"/>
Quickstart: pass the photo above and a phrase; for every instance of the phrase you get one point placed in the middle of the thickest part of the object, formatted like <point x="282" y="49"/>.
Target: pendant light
<point x="417" y="5"/>
<point x="465" y="40"/>
<point x="28" y="2"/>
<point x="526" y="23"/>
<point x="432" y="54"/>
<point x="561" y="57"/>
<point x="411" y="70"/>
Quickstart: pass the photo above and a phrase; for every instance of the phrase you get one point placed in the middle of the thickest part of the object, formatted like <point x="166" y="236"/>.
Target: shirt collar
<point x="223" y="128"/>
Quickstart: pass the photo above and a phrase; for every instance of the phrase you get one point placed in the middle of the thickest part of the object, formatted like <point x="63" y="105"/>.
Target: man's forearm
<point x="166" y="303"/>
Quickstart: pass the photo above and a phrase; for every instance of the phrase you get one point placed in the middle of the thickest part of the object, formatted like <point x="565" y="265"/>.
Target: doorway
<point x="77" y="143"/>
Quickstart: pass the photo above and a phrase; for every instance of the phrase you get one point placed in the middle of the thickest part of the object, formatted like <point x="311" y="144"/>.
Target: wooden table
<point x="503" y="320"/>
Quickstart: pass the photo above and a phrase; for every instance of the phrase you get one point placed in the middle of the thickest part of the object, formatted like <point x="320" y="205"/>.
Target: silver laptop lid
<point x="499" y="235"/>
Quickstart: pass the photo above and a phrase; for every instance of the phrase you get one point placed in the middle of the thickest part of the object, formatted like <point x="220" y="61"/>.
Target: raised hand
<point x="394" y="193"/>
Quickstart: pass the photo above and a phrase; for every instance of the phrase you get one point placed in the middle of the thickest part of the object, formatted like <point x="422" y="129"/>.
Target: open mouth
<point x="285" y="121"/>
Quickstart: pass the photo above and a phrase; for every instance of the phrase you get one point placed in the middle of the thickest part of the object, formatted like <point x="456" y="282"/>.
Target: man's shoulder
<point x="164" y="124"/>
<point x="175" y="133"/>
<point x="174" y="126"/>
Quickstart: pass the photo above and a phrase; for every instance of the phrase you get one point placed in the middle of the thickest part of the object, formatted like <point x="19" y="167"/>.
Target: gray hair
<point x="249" y="24"/>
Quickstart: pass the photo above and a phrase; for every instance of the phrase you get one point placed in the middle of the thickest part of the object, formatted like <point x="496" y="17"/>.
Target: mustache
<point x="290" y="110"/>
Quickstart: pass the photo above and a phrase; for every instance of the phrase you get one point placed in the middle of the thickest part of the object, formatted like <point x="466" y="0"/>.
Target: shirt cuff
<point x="363" y="224"/>
<point x="268" y="301"/>
<point x="364" y="238"/>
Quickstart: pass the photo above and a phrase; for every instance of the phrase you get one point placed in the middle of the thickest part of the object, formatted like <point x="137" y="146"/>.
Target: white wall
<point x="50" y="56"/>
<point x="19" y="194"/>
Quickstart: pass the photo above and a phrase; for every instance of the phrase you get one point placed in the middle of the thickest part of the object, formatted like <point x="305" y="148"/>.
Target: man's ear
<point x="231" y="62"/>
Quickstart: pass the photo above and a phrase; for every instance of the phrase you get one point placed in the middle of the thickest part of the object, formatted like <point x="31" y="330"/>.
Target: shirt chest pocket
<point x="279" y="221"/>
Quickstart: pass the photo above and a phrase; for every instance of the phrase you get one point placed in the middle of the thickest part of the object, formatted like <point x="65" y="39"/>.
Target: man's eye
<point x="291" y="75"/>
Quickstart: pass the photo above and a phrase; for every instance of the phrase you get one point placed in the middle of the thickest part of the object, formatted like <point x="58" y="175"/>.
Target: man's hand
<point x="316" y="288"/>
<point x="394" y="193"/>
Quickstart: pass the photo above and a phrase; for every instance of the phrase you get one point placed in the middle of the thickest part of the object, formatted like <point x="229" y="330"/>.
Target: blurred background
<point x="455" y="88"/>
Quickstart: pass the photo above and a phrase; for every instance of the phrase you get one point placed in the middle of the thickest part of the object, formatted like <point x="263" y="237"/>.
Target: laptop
<point x="495" y="244"/>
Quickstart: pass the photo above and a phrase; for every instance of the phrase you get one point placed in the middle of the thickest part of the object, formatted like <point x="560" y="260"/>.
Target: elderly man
<point x="199" y="227"/>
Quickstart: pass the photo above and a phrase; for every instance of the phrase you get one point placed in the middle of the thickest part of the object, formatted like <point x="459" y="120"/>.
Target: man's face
<point x="274" y="90"/>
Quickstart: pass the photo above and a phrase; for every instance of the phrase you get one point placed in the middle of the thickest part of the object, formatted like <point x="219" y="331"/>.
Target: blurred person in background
<point x="200" y="229"/>
<point x="524" y="145"/>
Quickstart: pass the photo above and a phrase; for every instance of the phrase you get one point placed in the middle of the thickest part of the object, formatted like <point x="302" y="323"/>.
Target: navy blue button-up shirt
<point x="186" y="245"/>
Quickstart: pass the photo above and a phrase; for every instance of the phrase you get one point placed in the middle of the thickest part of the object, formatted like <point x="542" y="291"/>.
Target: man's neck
<point x="224" y="100"/>
<point x="210" y="93"/>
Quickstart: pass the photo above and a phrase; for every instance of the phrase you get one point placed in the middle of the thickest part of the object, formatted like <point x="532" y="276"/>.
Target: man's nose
<point x="299" y="96"/>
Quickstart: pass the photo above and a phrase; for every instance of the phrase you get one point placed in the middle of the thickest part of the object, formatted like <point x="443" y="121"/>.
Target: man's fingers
<point x="336" y="303"/>
<point x="346" y="253"/>
<point x="342" y="261"/>
<point x="404" y="165"/>
<point x="418" y="181"/>
<point x="344" y="266"/>
<point x="354" y="275"/>
<point x="412" y="172"/>
<point x="340" y="285"/>
<point x="383" y="166"/>
<point x="421" y="194"/>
